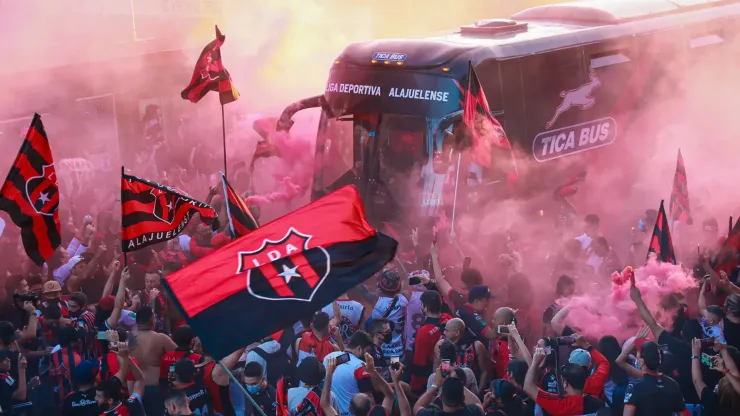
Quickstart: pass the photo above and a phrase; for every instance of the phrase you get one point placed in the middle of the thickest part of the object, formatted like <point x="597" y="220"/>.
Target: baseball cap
<point x="73" y="261"/>
<point x="479" y="292"/>
<point x="52" y="289"/>
<point x="106" y="303"/>
<point x="7" y="332"/>
<point x="85" y="372"/>
<point x="580" y="357"/>
<point x="390" y="281"/>
<point x="311" y="371"/>
<point x="649" y="352"/>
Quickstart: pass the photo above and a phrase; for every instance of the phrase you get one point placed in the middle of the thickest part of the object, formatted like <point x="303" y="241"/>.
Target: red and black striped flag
<point x="679" y="205"/>
<point x="727" y="257"/>
<point x="152" y="213"/>
<point x="661" y="243"/>
<point x="488" y="134"/>
<point x="296" y="265"/>
<point x="241" y="220"/>
<point x="210" y="75"/>
<point x="30" y="195"/>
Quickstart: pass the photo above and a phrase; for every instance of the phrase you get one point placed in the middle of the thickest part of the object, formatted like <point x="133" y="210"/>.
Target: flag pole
<point x="730" y="229"/>
<point x="223" y="136"/>
<point x="228" y="209"/>
<point x="241" y="387"/>
<point x="454" y="200"/>
<point x="125" y="256"/>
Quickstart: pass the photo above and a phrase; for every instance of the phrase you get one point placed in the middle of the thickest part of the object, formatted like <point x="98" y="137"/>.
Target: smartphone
<point x="395" y="359"/>
<point x="435" y="235"/>
<point x="445" y="368"/>
<point x="414" y="280"/>
<point x="466" y="263"/>
<point x="707" y="360"/>
<point x="503" y="329"/>
<point x="343" y="358"/>
<point x="172" y="369"/>
<point x="395" y="366"/>
<point x="102" y="335"/>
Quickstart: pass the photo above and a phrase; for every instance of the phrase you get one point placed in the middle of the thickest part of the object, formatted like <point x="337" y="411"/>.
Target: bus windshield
<point x="397" y="152"/>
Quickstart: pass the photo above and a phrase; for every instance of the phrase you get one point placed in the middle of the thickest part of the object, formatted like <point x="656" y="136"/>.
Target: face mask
<point x="387" y="338"/>
<point x="253" y="389"/>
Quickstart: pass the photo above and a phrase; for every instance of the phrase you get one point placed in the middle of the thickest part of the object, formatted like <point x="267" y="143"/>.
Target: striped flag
<point x="241" y="220"/>
<point x="679" y="205"/>
<point x="210" y="75"/>
<point x="488" y="134"/>
<point x="153" y="213"/>
<point x="661" y="243"/>
<point x="30" y="195"/>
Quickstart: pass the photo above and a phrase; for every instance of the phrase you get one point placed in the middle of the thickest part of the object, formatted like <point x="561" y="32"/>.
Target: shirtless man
<point x="151" y="346"/>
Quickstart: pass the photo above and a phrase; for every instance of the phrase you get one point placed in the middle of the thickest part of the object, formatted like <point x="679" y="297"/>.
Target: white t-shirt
<point x="349" y="380"/>
<point x="351" y="313"/>
<point x="269" y="347"/>
<point x="414" y="319"/>
<point x="398" y="316"/>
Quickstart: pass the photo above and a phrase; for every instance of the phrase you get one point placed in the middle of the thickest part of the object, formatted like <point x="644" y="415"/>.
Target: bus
<point x="570" y="83"/>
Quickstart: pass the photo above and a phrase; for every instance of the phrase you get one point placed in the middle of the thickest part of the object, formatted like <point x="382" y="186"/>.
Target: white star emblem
<point x="169" y="205"/>
<point x="44" y="197"/>
<point x="289" y="273"/>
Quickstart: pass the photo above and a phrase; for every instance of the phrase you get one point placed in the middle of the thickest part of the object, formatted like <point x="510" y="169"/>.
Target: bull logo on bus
<point x="579" y="97"/>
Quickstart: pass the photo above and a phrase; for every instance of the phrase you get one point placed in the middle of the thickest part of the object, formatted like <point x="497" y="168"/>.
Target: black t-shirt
<point x="266" y="400"/>
<point x="731" y="332"/>
<point x="200" y="400"/>
<point x="681" y="350"/>
<point x="80" y="403"/>
<point x="711" y="406"/>
<point x="654" y="395"/>
<point x="472" y="319"/>
<point x="470" y="410"/>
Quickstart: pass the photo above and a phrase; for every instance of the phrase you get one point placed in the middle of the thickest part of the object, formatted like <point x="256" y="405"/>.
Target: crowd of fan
<point x="85" y="335"/>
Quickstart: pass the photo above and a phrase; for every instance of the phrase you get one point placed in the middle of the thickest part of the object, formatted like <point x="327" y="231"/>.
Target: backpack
<point x="279" y="365"/>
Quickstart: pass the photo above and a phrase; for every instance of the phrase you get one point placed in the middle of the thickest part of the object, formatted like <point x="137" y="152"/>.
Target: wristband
<point x="724" y="373"/>
<point x="590" y="348"/>
<point x="695" y="357"/>
<point x="435" y="387"/>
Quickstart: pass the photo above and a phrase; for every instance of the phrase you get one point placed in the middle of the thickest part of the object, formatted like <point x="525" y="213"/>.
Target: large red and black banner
<point x="30" y="195"/>
<point x="210" y="75"/>
<point x="488" y="134"/>
<point x="153" y="213"/>
<point x="295" y="265"/>
<point x="727" y="257"/>
<point x="241" y="220"/>
<point x="679" y="205"/>
<point x="661" y="242"/>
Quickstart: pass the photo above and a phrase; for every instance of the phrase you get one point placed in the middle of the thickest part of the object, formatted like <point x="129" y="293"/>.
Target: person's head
<point x="360" y="405"/>
<point x="76" y="303"/>
<point x="310" y="371"/>
<point x="84" y="374"/>
<point x="453" y="393"/>
<point x="517" y="371"/>
<point x="580" y="357"/>
<point x="35" y="283"/>
<point x="479" y="298"/>
<point x="572" y="250"/>
<point x="710" y="230"/>
<point x="591" y="225"/>
<point x="52" y="292"/>
<point x="185" y="372"/>
<point x="184" y="337"/>
<point x="565" y="287"/>
<point x="5" y="361"/>
<point x="7" y="334"/>
<point x="16" y="284"/>
<point x="732" y="307"/>
<point x="79" y="263"/>
<point x="360" y="343"/>
<point x="253" y="377"/>
<point x="320" y="324"/>
<point x="573" y="378"/>
<point x="176" y="403"/>
<point x="448" y="351"/>
<point x="381" y="330"/>
<point x="431" y="303"/>
<point x="714" y="315"/>
<point x="504" y="393"/>
<point x="454" y="329"/>
<point x="471" y="277"/>
<point x="504" y="316"/>
<point x="728" y="397"/>
<point x="389" y="282"/>
<point x="600" y="246"/>
<point x="145" y="318"/>
<point x="52" y="314"/>
<point x="69" y="337"/>
<point x="108" y="393"/>
<point x="152" y="280"/>
<point x="649" y="355"/>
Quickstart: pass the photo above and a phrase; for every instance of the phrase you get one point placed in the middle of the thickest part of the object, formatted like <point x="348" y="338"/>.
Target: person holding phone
<point x="351" y="376"/>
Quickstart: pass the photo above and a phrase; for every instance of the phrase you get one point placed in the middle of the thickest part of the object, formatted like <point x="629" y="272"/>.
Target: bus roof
<point x="551" y="27"/>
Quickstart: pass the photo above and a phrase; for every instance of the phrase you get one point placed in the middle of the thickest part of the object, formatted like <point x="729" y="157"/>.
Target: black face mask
<point x="387" y="338"/>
